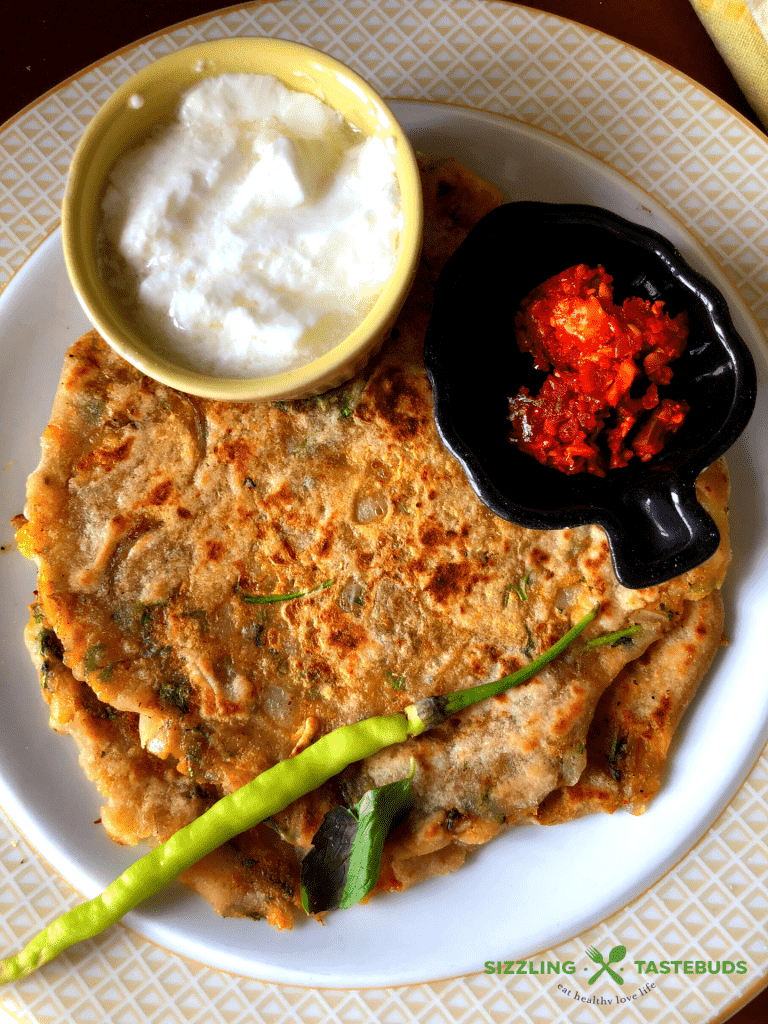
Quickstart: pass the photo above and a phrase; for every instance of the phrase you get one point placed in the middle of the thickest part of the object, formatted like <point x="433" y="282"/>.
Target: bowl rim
<point x="309" y="377"/>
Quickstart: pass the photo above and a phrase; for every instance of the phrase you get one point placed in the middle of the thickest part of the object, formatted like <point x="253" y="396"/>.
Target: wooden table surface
<point x="47" y="41"/>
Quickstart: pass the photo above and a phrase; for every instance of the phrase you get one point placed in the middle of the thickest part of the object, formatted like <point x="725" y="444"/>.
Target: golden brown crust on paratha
<point x="158" y="521"/>
<point x="255" y="875"/>
<point x="147" y="798"/>
<point x="637" y="716"/>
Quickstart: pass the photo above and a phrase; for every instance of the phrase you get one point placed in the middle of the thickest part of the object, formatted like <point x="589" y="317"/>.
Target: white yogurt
<point x="251" y="235"/>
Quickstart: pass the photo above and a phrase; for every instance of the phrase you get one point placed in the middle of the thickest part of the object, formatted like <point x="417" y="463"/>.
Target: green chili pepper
<point x="292" y="596"/>
<point x="433" y="710"/>
<point x="615" y="639"/>
<point x="266" y="795"/>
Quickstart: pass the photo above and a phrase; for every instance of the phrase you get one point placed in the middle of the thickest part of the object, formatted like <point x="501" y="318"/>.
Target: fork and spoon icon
<point x="616" y="954"/>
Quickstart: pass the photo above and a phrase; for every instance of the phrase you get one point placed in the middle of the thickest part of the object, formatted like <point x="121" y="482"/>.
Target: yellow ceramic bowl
<point x="125" y="121"/>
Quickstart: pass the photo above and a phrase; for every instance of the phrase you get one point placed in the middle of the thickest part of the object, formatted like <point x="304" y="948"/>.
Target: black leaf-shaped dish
<point x="655" y="526"/>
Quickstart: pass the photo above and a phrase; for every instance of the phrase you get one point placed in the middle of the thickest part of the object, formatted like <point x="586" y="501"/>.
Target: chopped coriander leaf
<point x="616" y="753"/>
<point x="528" y="648"/>
<point x="396" y="682"/>
<point x="176" y="693"/>
<point x="93" y="657"/>
<point x="521" y="590"/>
<point x="50" y="644"/>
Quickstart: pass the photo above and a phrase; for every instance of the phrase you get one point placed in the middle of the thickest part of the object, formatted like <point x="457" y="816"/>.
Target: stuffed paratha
<point x="220" y="584"/>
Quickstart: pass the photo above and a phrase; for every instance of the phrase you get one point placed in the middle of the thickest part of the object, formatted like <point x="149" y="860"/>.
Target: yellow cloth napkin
<point x="739" y="30"/>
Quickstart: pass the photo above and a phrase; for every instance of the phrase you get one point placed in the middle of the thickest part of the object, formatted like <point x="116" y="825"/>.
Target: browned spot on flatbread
<point x="344" y="636"/>
<point x="105" y="458"/>
<point x="451" y="579"/>
<point x="601" y="557"/>
<point x="160" y="493"/>
<point x="319" y="672"/>
<point x="570" y="713"/>
<point x="433" y="534"/>
<point x="326" y="543"/>
<point x="661" y="710"/>
<point x="395" y="398"/>
<point x="364" y="559"/>
<point x="214" y="550"/>
<point x="82" y="369"/>
<point x="279" y="499"/>
<point x="235" y="452"/>
<point x="539" y="557"/>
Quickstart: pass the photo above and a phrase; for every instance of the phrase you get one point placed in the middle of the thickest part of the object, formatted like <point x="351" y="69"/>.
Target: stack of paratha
<point x="161" y="522"/>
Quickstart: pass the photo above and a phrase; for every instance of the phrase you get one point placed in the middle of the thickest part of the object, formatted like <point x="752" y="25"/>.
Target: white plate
<point x="523" y="893"/>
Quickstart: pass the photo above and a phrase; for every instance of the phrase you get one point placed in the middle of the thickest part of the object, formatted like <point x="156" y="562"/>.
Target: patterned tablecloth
<point x="690" y="153"/>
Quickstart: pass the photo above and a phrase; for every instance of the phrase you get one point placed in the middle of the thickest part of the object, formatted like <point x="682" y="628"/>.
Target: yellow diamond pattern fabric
<point x="739" y="30"/>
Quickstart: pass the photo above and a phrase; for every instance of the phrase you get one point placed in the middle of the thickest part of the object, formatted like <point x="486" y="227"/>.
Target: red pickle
<point x="599" y="407"/>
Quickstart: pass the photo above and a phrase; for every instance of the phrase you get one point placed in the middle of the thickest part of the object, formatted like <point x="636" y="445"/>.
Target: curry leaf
<point x="344" y="863"/>
<point x="325" y="868"/>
